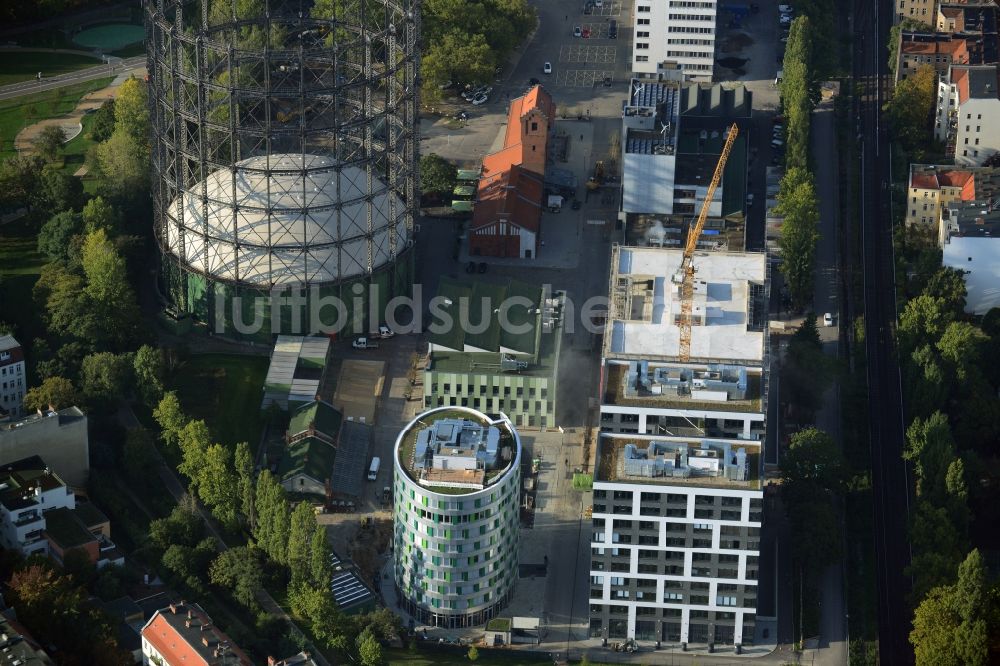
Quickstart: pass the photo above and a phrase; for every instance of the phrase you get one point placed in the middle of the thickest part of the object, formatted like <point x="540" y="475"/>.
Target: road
<point x="891" y="489"/>
<point x="89" y="74"/>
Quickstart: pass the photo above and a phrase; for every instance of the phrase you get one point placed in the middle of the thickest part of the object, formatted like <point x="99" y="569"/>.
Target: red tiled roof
<point x="946" y="178"/>
<point x="514" y="195"/>
<point x="960" y="79"/>
<point x="182" y="645"/>
<point x="536" y="98"/>
<point x="924" y="181"/>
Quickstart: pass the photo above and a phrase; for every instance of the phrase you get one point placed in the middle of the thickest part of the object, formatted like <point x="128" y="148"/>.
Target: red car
<point x="586" y="33"/>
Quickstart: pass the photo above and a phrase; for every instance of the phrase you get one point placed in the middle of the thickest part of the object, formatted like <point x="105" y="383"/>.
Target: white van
<point x="373" y="468"/>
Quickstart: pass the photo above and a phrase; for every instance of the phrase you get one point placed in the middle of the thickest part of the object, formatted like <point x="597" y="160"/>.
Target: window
<point x="642" y="22"/>
<point x="642" y="9"/>
<point x="534" y="126"/>
<point x="642" y="58"/>
<point x="641" y="34"/>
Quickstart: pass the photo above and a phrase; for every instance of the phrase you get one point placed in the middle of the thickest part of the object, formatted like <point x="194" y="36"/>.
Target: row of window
<point x="690" y="17"/>
<point x="486" y="390"/>
<point x="692" y="3"/>
<point x="691" y="41"/>
<point x="15" y="369"/>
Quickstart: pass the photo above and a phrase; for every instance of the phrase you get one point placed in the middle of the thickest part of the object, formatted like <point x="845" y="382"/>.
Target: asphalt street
<point x="89" y="74"/>
<point x="889" y="473"/>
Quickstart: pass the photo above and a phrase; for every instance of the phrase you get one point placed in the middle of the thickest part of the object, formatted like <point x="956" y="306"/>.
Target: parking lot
<point x="582" y="78"/>
<point x="587" y="54"/>
<point x="608" y="9"/>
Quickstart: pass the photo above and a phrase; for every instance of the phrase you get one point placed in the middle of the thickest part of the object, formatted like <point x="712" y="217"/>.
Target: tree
<point x="124" y="162"/>
<point x="104" y="122"/>
<point x="316" y="607"/>
<point x="799" y="233"/>
<point x="948" y="284"/>
<point x="437" y="174"/>
<point x="56" y="191"/>
<point x="272" y="518"/>
<point x="302" y="526"/>
<point x="925" y="386"/>
<point x="194" y="440"/>
<point x="240" y="570"/>
<point x="109" y="290"/>
<point x="150" y="368"/>
<point x="319" y="558"/>
<point x="138" y="459"/>
<point x="61" y="293"/>
<point x="473" y="653"/>
<point x="182" y="527"/>
<point x="49" y="142"/>
<point x="54" y="236"/>
<point x="457" y="57"/>
<point x="910" y="110"/>
<point x="170" y="417"/>
<point x="953" y="624"/>
<point x="98" y="213"/>
<point x="106" y="378"/>
<point x="931" y="448"/>
<point x="938" y="548"/>
<point x="922" y="321"/>
<point x="369" y="649"/>
<point x="243" y="464"/>
<point x="815" y="461"/>
<point x="132" y="109"/>
<point x="961" y="346"/>
<point x="57" y="392"/>
<point x="218" y="486"/>
<point x="18" y="179"/>
<point x="189" y="564"/>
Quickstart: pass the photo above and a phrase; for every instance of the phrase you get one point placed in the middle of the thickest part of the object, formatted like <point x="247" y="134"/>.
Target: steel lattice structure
<point x="284" y="140"/>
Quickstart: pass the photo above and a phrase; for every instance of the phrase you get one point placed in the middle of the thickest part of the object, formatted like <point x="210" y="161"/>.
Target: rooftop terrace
<point x="456" y="451"/>
<point x="679" y="461"/>
<point x="730" y="303"/>
<point x="682" y="387"/>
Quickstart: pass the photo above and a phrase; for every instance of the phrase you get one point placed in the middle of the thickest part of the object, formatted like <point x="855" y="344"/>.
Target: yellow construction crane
<point x="686" y="273"/>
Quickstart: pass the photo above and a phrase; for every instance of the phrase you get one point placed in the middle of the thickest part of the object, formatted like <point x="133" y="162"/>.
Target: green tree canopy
<point x="56" y="191"/>
<point x="55" y="391"/>
<point x="910" y="109"/>
<point x="798" y="204"/>
<point x="369" y="649"/>
<point x="437" y="174"/>
<point x="922" y="321"/>
<point x="54" y="236"/>
<point x="49" y="142"/>
<point x="961" y="346"/>
<point x="18" y="179"/>
<point x="109" y="290"/>
<point x="99" y="213"/>
<point x="150" y="368"/>
<point x="194" y="440"/>
<point x="106" y="378"/>
<point x="170" y="417"/>
<point x="931" y="448"/>
<point x="241" y="571"/>
<point x="245" y="483"/>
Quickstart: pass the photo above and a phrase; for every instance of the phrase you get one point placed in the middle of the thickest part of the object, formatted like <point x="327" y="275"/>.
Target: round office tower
<point x="457" y="488"/>
<point x="284" y="158"/>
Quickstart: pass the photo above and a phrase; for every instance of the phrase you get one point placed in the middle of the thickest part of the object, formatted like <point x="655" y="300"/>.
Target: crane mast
<point x="687" y="262"/>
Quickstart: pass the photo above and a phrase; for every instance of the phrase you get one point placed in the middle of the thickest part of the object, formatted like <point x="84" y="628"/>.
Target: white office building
<point x="457" y="485"/>
<point x="28" y="490"/>
<point x="674" y="31"/>
<point x="677" y="487"/>
<point x="13" y="381"/>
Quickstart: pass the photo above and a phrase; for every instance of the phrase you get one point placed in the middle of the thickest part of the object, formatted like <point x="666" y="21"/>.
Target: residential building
<point x="672" y="137"/>
<point x="507" y="215"/>
<point x="677" y="487"/>
<point x="18" y="647"/>
<point x="324" y="454"/>
<point x="975" y="16"/>
<point x="13" y="380"/>
<point x="720" y="390"/>
<point x="60" y="437"/>
<point x="939" y="50"/>
<point x="674" y="32"/>
<point x="456" y="519"/>
<point x="183" y="635"/>
<point x="84" y="528"/>
<point x="29" y="490"/>
<point x="129" y="618"/>
<point x="967" y="102"/>
<point x="969" y="235"/>
<point x="296" y="371"/>
<point x="675" y="545"/>
<point x="300" y="659"/>
<point x="932" y="189"/>
<point x="924" y="11"/>
<point x="509" y="369"/>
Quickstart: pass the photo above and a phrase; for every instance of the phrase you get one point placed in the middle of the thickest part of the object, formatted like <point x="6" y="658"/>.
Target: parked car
<point x="482" y="267"/>
<point x="598" y="3"/>
<point x="445" y="85"/>
<point x="364" y="343"/>
<point x="481" y="98"/>
<point x="385" y="332"/>
<point x="470" y="267"/>
<point x="750" y="200"/>
<point x="784" y="8"/>
<point x="827" y="319"/>
<point x="547" y="68"/>
<point x="586" y="33"/>
<point x="613" y="29"/>
<point x="607" y="81"/>
<point x="777" y="143"/>
<point x="577" y="32"/>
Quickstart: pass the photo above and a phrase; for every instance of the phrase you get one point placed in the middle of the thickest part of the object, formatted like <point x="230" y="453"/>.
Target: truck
<point x="364" y="343"/>
<point x="373" y="468"/>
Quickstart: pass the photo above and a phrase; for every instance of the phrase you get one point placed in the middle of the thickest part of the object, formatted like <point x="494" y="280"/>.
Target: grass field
<point x="17" y="113"/>
<point x="20" y="264"/>
<point x="225" y="391"/>
<point x="17" y="66"/>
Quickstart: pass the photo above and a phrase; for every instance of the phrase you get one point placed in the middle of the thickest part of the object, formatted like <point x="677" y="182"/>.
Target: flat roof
<point x="979" y="257"/>
<point x="614" y="394"/>
<point x="726" y="278"/>
<point x="611" y="457"/>
<point x="470" y="294"/>
<point x="65" y="529"/>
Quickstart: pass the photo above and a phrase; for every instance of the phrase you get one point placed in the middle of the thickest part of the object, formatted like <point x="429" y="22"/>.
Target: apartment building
<point x="29" y="490"/>
<point x="457" y="488"/>
<point x="968" y="102"/>
<point x="933" y="189"/>
<point x="677" y="488"/>
<point x="13" y="381"/>
<point x="938" y="50"/>
<point x="183" y="635"/>
<point x="924" y="11"/>
<point x="675" y="31"/>
<point x="60" y="437"/>
<point x="969" y="235"/>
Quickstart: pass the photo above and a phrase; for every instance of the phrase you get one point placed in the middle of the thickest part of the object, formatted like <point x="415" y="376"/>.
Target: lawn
<point x="20" y="264"/>
<point x="225" y="391"/>
<point x="17" y="66"/>
<point x="19" y="112"/>
<point x="456" y="657"/>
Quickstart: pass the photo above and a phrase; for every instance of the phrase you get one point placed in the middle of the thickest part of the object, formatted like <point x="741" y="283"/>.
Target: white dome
<point x="306" y="238"/>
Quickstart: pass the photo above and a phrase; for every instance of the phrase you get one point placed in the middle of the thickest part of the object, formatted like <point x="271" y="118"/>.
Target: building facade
<point x="457" y="485"/>
<point x="679" y="31"/>
<point x="677" y="511"/>
<point x="29" y="491"/>
<point x="59" y="437"/>
<point x="675" y="544"/>
<point x="968" y="100"/>
<point x="184" y="635"/>
<point x="12" y="377"/>
<point x="933" y="189"/>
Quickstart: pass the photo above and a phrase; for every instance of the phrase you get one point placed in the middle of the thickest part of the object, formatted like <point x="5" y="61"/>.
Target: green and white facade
<point x="456" y="517"/>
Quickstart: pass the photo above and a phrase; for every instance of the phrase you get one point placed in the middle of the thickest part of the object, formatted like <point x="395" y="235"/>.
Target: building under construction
<point x="284" y="156"/>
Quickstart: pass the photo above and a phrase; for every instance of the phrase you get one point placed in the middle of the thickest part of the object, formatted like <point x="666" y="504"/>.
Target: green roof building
<point x="482" y="364"/>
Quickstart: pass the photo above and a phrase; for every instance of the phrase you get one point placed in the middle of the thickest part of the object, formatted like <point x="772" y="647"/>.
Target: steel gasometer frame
<point x="284" y="145"/>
